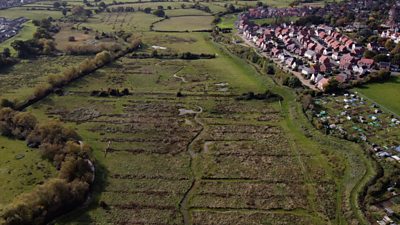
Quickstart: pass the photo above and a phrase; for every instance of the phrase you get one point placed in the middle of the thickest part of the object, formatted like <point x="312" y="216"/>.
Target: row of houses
<point x="355" y="6"/>
<point x="272" y="12"/>
<point x="318" y="52"/>
<point x="394" y="35"/>
<point x="10" y="28"/>
<point x="4" y="4"/>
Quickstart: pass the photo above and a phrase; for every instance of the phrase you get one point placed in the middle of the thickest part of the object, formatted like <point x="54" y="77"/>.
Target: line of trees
<point x="86" y="49"/>
<point x="70" y="74"/>
<point x="185" y="55"/>
<point x="72" y="158"/>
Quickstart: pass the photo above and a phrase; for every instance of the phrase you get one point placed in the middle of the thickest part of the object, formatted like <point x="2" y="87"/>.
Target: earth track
<point x="184" y="203"/>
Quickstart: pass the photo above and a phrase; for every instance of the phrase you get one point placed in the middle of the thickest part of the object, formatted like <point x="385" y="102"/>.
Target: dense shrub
<point x="16" y="124"/>
<point x="268" y="95"/>
<point x="59" y="145"/>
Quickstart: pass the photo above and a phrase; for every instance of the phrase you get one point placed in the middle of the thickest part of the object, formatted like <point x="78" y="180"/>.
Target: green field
<point x="185" y="12"/>
<point x="227" y="21"/>
<point x="185" y="23"/>
<point x="276" y="20"/>
<point x="30" y="14"/>
<point x="21" y="169"/>
<point x="385" y="94"/>
<point x="110" y="22"/>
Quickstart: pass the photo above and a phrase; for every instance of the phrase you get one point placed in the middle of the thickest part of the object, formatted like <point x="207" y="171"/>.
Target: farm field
<point x="128" y="22"/>
<point x="186" y="12"/>
<point x="385" y="94"/>
<point x="185" y="23"/>
<point x="155" y="5"/>
<point x="30" y="14"/>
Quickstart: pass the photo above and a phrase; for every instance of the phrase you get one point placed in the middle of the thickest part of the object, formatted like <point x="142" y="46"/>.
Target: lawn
<point x="185" y="23"/>
<point x="385" y="94"/>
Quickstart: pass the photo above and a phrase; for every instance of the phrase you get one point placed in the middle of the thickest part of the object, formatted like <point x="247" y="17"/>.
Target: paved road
<point x="304" y="81"/>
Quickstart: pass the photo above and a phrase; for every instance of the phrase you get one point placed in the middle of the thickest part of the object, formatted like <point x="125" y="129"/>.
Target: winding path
<point x="184" y="203"/>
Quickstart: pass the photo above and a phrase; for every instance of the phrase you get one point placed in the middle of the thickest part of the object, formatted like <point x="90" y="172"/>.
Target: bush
<point x="71" y="38"/>
<point x="380" y="76"/>
<point x="59" y="145"/>
<point x="5" y="103"/>
<point x="41" y="91"/>
<point x="270" y="70"/>
<point x="52" y="133"/>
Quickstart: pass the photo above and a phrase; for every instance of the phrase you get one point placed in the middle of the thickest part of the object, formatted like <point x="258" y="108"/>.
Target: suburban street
<point x="304" y="81"/>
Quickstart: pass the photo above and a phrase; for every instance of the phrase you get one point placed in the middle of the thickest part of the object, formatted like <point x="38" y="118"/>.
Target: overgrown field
<point x="19" y="81"/>
<point x="203" y="158"/>
<point x="178" y="145"/>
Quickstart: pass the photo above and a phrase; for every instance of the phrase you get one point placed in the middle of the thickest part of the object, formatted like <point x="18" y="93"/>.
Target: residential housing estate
<point x="10" y="27"/>
<point x="318" y="52"/>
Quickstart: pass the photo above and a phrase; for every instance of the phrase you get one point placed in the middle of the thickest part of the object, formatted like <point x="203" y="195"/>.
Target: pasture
<point x="185" y="12"/>
<point x="185" y="23"/>
<point x="30" y="14"/>
<point x="128" y="22"/>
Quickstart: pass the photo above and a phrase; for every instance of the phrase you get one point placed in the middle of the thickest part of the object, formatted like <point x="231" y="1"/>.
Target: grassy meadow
<point x="21" y="169"/>
<point x="185" y="23"/>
